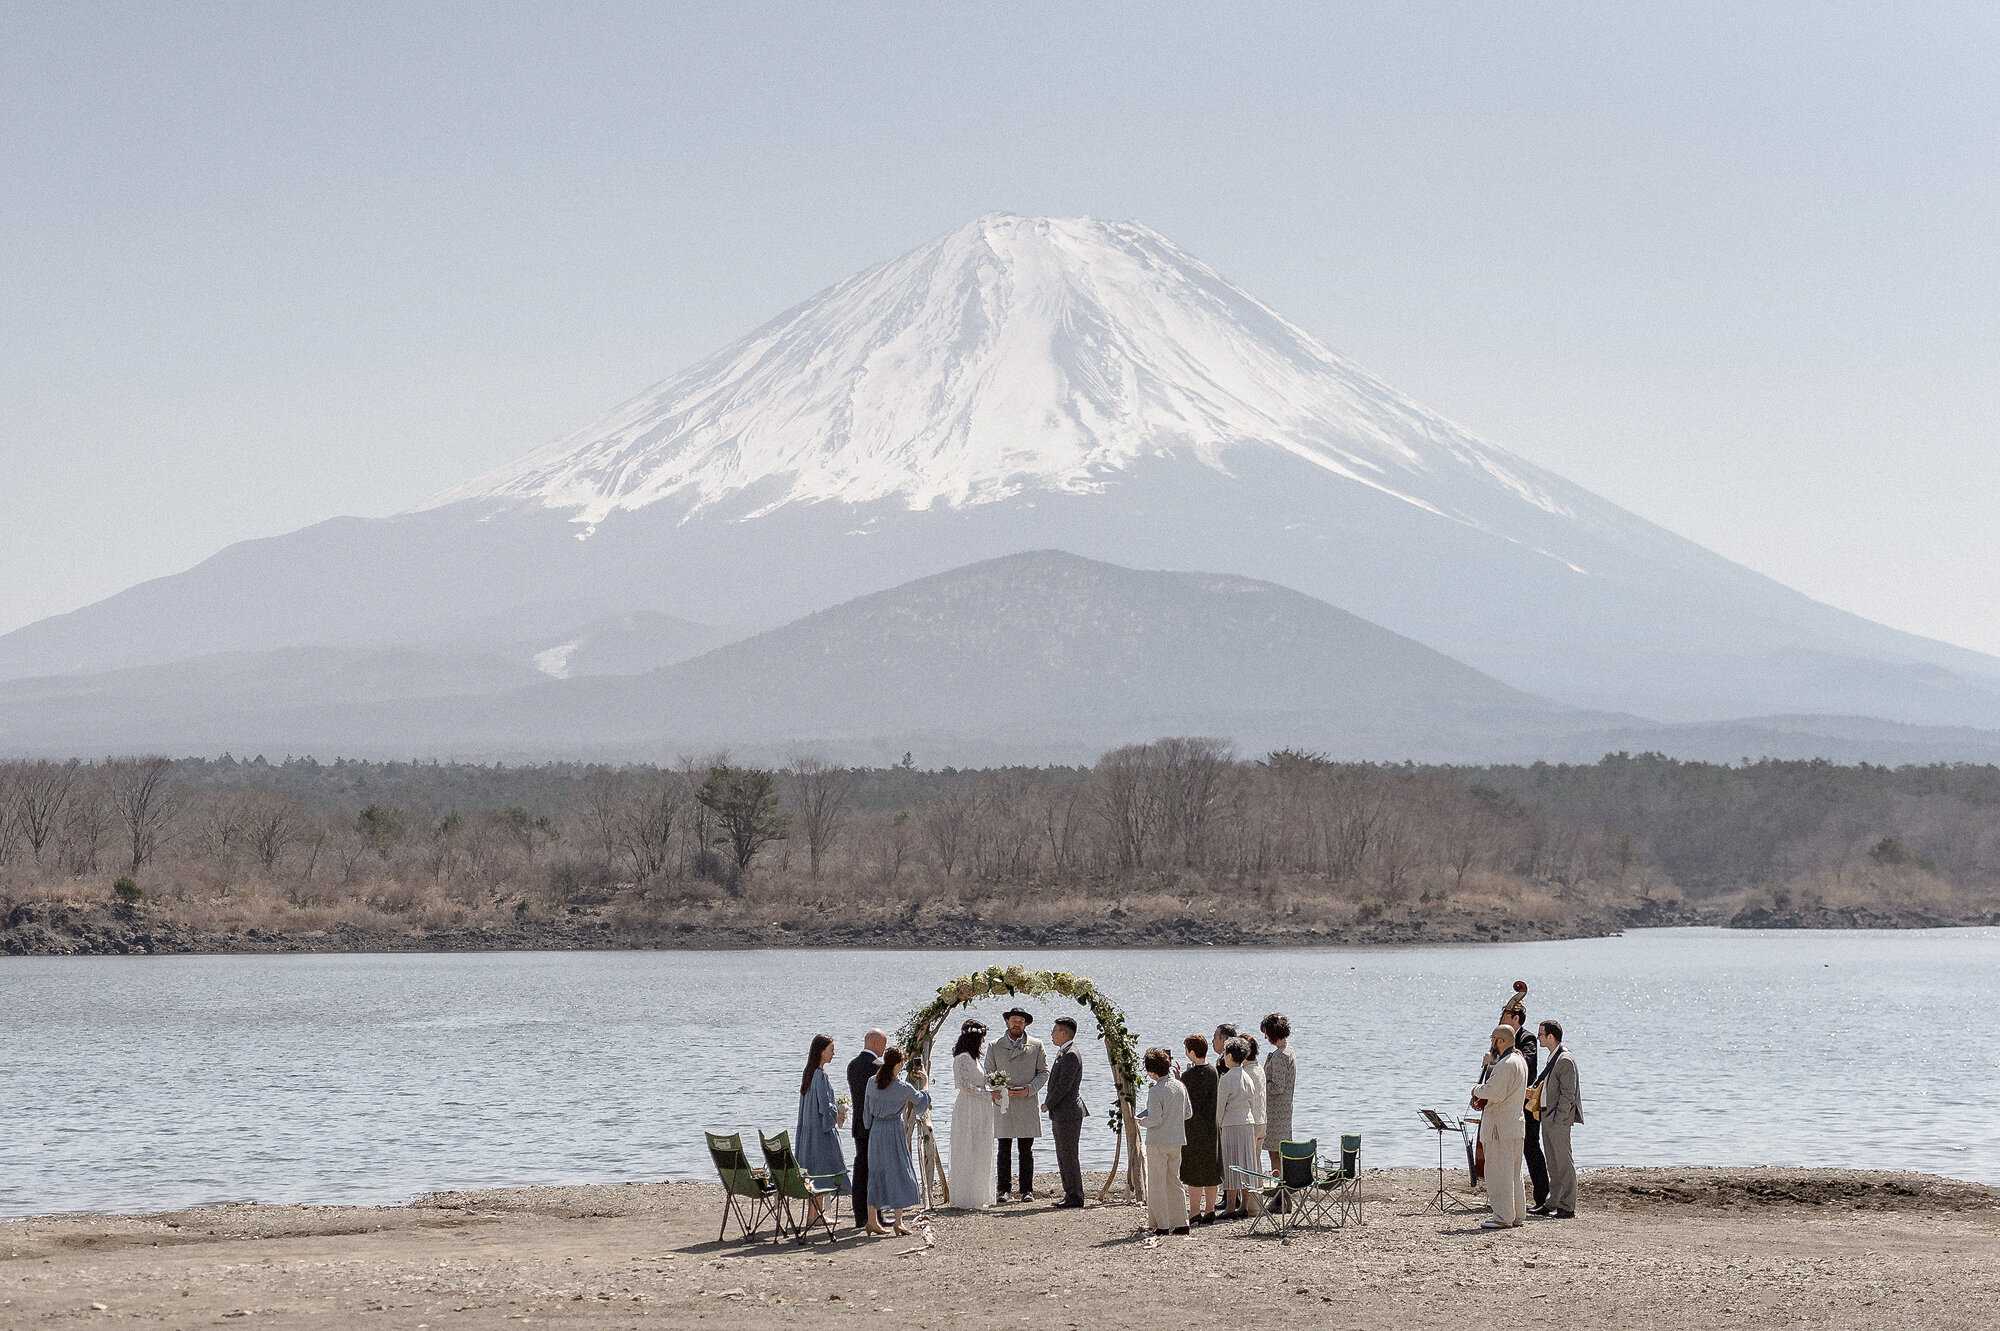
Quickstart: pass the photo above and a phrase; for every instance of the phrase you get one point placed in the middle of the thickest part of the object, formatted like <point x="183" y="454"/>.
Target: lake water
<point x="154" y="1082"/>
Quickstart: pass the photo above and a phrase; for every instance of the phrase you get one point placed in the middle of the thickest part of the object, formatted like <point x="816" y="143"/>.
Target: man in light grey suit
<point x="1019" y="1121"/>
<point x="1562" y="1109"/>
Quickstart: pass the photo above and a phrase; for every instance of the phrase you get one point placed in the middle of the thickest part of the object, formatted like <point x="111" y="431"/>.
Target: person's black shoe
<point x="1182" y="1230"/>
<point x="1067" y="1204"/>
<point x="1158" y="1232"/>
<point x="1564" y="1215"/>
<point x="1540" y="1210"/>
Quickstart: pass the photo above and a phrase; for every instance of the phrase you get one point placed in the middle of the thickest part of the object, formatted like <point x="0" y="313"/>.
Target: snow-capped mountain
<point x="1011" y="356"/>
<point x="1021" y="384"/>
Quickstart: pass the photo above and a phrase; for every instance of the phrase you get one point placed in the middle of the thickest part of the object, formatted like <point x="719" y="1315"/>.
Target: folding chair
<point x="1340" y="1187"/>
<point x="748" y="1195"/>
<point x="1290" y="1196"/>
<point x="794" y="1185"/>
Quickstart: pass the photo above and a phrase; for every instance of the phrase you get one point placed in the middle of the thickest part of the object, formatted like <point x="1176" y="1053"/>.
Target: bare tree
<point x="86" y="824"/>
<point x="645" y="822"/>
<point x="945" y="822"/>
<point x="270" y="824"/>
<point x="212" y="823"/>
<point x="1062" y="826"/>
<point x="1128" y="800"/>
<point x="146" y="803"/>
<point x="42" y="791"/>
<point x="1191" y="772"/>
<point x="820" y="791"/>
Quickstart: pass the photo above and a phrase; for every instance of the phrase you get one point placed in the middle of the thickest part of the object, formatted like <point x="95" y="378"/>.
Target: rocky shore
<point x="1664" y="1249"/>
<point x="51" y="928"/>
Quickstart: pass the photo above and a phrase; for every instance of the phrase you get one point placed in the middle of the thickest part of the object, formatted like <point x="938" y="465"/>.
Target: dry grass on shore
<point x="206" y="910"/>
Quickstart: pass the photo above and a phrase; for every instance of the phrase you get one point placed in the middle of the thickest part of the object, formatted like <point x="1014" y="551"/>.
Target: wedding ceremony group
<point x="1218" y="1139"/>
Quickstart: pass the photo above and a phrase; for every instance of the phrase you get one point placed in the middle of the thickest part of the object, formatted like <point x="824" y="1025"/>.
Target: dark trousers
<point x="1068" y="1133"/>
<point x="859" y="1179"/>
<point x="1538" y="1165"/>
<point x="1027" y="1145"/>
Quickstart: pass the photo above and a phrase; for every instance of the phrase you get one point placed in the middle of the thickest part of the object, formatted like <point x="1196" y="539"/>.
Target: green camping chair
<point x="795" y="1187"/>
<point x="1339" y="1188"/>
<point x="748" y="1195"/>
<point x="1291" y="1196"/>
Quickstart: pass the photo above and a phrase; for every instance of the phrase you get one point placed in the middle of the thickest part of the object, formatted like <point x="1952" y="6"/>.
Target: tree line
<point x="1179" y="810"/>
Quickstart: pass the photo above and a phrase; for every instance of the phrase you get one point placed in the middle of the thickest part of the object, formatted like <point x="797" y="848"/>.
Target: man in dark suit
<point x="1531" y="1145"/>
<point x="1066" y="1111"/>
<point x="861" y="1070"/>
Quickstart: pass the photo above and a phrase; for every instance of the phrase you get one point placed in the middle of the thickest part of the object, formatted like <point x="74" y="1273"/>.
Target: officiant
<point x="1019" y="1121"/>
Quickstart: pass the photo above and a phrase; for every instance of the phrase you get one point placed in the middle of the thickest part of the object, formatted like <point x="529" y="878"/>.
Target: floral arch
<point x="920" y="1032"/>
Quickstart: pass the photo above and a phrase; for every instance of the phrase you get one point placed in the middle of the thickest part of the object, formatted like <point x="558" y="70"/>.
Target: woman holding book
<point x="816" y="1141"/>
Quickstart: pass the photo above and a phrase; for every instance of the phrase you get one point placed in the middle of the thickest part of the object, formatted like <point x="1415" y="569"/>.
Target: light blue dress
<point x="817" y="1140"/>
<point x="892" y="1175"/>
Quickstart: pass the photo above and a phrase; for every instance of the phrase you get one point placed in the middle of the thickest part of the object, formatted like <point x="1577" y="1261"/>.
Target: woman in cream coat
<point x="1236" y="1117"/>
<point x="1165" y="1119"/>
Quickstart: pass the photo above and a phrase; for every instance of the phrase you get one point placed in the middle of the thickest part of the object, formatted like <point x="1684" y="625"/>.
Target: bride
<point x="973" y="1179"/>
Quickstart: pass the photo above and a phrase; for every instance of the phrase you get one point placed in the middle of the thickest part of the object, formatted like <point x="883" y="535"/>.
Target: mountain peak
<point x="1010" y="354"/>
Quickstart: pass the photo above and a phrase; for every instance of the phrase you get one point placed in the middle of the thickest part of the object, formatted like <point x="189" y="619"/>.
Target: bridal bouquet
<point x="997" y="1080"/>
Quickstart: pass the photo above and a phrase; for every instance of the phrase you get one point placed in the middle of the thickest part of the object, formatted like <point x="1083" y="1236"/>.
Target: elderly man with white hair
<point x="860" y="1072"/>
<point x="1502" y="1100"/>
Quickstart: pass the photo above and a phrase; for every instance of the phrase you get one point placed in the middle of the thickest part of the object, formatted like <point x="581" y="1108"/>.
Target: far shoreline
<point x="55" y="929"/>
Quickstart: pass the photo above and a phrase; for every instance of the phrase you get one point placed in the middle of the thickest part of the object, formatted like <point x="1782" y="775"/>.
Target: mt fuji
<point x="1027" y="384"/>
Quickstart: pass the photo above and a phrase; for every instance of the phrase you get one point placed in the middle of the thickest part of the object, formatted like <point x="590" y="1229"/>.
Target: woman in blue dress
<point x="816" y="1142"/>
<point x="892" y="1177"/>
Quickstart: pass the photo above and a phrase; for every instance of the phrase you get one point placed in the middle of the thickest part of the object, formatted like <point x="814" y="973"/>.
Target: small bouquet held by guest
<point x="841" y="1104"/>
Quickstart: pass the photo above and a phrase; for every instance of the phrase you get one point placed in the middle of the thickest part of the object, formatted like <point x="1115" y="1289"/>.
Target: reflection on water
<point x="133" y="1083"/>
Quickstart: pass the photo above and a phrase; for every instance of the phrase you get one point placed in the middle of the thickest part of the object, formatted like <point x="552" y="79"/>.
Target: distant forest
<point x="1179" y="827"/>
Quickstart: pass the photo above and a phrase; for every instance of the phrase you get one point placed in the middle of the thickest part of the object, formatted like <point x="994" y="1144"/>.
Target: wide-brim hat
<point x="1022" y="1013"/>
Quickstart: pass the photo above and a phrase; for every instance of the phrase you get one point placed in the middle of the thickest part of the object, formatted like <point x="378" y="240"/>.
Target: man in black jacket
<point x="861" y="1070"/>
<point x="1531" y="1145"/>
<point x="1066" y="1111"/>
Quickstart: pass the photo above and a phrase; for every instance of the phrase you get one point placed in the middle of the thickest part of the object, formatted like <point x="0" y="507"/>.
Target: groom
<point x="1066" y="1111"/>
<point x="1018" y="1121"/>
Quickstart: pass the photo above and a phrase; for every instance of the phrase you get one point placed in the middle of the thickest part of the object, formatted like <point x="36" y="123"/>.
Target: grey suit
<point x="1066" y="1115"/>
<point x="1562" y="1109"/>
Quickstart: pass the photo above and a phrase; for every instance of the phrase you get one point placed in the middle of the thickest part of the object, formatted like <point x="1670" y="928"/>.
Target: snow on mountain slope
<point x="1009" y="355"/>
<point x="1021" y="384"/>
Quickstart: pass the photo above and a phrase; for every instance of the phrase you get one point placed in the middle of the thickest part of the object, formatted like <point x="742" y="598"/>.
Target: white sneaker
<point x="1494" y="1222"/>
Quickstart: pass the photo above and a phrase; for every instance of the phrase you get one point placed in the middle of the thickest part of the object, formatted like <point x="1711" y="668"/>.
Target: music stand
<point x="1444" y="1202"/>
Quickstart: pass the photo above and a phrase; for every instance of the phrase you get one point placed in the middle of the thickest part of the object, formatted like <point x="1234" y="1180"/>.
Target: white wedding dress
<point x="974" y="1173"/>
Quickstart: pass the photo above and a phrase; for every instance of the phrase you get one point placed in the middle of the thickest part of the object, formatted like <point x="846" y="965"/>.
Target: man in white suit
<point x="1503" y="1129"/>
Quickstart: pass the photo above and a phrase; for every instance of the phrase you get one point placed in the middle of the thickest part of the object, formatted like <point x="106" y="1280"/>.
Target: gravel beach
<point x="1657" y="1248"/>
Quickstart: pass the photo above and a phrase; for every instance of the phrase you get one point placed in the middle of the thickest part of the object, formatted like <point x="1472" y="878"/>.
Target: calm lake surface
<point x="153" y="1082"/>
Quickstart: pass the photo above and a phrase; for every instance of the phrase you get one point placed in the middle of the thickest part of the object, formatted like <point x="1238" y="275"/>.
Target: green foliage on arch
<point x="920" y="1031"/>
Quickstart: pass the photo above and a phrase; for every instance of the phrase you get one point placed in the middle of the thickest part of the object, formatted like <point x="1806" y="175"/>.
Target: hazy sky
<point x="1735" y="267"/>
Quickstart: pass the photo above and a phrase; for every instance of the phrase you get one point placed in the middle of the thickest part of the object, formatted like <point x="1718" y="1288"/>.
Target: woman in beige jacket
<point x="1236" y="1120"/>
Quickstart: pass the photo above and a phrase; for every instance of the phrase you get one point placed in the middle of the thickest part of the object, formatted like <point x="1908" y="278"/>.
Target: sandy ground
<point x="1651" y="1248"/>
